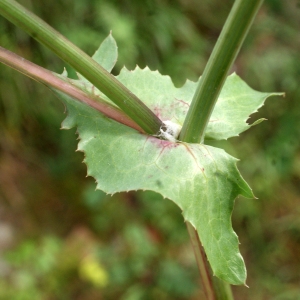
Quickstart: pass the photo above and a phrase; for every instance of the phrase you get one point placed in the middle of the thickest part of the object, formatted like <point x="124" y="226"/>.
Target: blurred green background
<point x="59" y="239"/>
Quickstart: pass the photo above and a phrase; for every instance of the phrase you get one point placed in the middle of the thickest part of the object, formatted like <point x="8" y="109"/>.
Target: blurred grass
<point x="56" y="232"/>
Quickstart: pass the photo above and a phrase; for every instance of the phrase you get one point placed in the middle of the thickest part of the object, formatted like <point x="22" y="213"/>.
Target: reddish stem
<point x="53" y="80"/>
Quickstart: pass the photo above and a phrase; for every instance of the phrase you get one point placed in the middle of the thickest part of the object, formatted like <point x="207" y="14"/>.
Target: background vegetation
<point x="59" y="239"/>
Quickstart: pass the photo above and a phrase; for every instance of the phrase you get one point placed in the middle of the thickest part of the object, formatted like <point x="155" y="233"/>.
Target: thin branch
<point x="211" y="83"/>
<point x="53" y="80"/>
<point x="214" y="288"/>
<point x="202" y="263"/>
<point x="84" y="64"/>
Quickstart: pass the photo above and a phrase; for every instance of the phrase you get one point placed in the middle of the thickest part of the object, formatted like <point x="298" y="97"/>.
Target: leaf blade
<point x="121" y="159"/>
<point x="202" y="180"/>
<point x="107" y="53"/>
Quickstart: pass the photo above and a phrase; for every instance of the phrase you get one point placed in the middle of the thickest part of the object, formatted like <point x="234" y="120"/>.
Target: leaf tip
<point x="258" y="122"/>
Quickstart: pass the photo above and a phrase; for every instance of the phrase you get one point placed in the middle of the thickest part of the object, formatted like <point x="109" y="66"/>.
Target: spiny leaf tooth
<point x="138" y="68"/>
<point x="88" y="174"/>
<point x="125" y="69"/>
<point x="64" y="72"/>
<point x="188" y="81"/>
<point x="145" y="69"/>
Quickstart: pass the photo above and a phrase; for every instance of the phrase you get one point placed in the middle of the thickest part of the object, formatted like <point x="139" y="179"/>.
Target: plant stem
<point x="84" y="64"/>
<point x="225" y="51"/>
<point x="201" y="262"/>
<point x="56" y="81"/>
<point x="214" y="288"/>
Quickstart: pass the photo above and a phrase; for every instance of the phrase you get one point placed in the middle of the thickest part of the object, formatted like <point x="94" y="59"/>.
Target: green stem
<point x="202" y="263"/>
<point x="225" y="51"/>
<point x="84" y="64"/>
<point x="58" y="82"/>
<point x="213" y="287"/>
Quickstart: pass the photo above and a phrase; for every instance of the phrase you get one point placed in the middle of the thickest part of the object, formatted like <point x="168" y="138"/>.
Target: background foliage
<point x="59" y="239"/>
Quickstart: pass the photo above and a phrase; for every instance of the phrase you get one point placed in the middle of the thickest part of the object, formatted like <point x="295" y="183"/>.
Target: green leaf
<point x="236" y="102"/>
<point x="202" y="180"/>
<point x="107" y="53"/>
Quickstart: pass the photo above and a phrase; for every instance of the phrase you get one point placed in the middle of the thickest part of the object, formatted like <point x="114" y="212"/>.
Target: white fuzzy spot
<point x="171" y="132"/>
